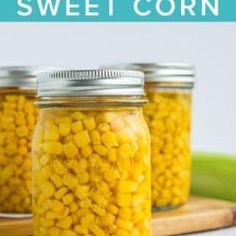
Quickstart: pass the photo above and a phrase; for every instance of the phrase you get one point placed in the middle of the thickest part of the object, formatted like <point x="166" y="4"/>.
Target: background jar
<point x="91" y="155"/>
<point x="17" y="120"/>
<point x="168" y="115"/>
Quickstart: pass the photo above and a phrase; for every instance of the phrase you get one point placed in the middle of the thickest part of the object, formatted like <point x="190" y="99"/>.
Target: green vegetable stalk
<point x="214" y="176"/>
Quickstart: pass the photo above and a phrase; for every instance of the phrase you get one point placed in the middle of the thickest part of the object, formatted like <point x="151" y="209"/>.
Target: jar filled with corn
<point x="168" y="115"/>
<point x="91" y="155"/>
<point x="17" y="120"/>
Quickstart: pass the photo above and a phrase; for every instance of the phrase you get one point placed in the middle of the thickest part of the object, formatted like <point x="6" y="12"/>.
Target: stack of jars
<point x="92" y="151"/>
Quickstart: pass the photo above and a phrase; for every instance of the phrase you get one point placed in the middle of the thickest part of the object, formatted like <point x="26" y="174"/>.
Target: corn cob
<point x="214" y="176"/>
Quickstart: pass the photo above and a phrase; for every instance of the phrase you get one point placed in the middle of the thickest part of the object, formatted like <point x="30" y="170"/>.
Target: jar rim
<point x="173" y="74"/>
<point x="23" y="77"/>
<point x="90" y="83"/>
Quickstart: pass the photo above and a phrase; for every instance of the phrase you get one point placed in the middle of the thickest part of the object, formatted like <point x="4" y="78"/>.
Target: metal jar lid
<point x="166" y="74"/>
<point x="89" y="83"/>
<point x="24" y="77"/>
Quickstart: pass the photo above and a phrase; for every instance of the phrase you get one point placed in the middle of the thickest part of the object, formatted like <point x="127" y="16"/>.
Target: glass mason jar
<point x="168" y="115"/>
<point x="91" y="155"/>
<point x="17" y="120"/>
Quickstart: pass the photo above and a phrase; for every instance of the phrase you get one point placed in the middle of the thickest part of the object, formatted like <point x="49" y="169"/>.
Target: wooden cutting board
<point x="200" y="214"/>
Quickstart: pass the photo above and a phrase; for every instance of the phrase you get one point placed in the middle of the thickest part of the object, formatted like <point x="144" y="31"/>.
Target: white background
<point x="211" y="47"/>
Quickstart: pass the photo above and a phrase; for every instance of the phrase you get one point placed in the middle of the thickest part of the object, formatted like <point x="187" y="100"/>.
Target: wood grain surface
<point x="200" y="214"/>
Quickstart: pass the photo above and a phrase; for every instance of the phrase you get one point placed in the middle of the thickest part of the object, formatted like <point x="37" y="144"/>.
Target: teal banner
<point x="118" y="10"/>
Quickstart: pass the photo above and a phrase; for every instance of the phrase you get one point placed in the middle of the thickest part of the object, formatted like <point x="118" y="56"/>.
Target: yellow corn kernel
<point x="64" y="128"/>
<point x="125" y="213"/>
<point x="103" y="127"/>
<point x="111" y="175"/>
<point x="51" y="215"/>
<point x="95" y="137"/>
<point x="65" y="223"/>
<point x="80" y="229"/>
<point x="124" y="224"/>
<point x="176" y="201"/>
<point x="104" y="188"/>
<point x="52" y="148"/>
<point x="11" y="98"/>
<point x="54" y="231"/>
<point x="78" y="116"/>
<point x="88" y="220"/>
<point x="44" y="159"/>
<point x="68" y="198"/>
<point x="112" y="208"/>
<point x="70" y="181"/>
<point x="11" y="149"/>
<point x="98" y="210"/>
<point x="82" y="138"/>
<point x="125" y="186"/>
<point x="99" y="199"/>
<point x="97" y="230"/>
<point x="124" y="151"/>
<point x="122" y="232"/>
<point x="83" y="177"/>
<point x="68" y="232"/>
<point x="57" y="206"/>
<point x="59" y="168"/>
<point x="138" y="199"/>
<point x="57" y="180"/>
<point x="123" y="136"/>
<point x="111" y="155"/>
<point x="82" y="191"/>
<point x="162" y="202"/>
<point x="60" y="193"/>
<point x="109" y="139"/>
<point x="138" y="217"/>
<point x="22" y="131"/>
<point x="117" y="124"/>
<point x="23" y="151"/>
<point x="176" y="191"/>
<point x="48" y="189"/>
<point x="70" y="150"/>
<point x="108" y="219"/>
<point x="51" y="133"/>
<point x="100" y="149"/>
<point x="83" y="165"/>
<point x="86" y="151"/>
<point x="124" y="200"/>
<point x="47" y="223"/>
<point x="73" y="207"/>
<point x="165" y="193"/>
<point x="108" y="117"/>
<point x="77" y="126"/>
<point x="89" y="123"/>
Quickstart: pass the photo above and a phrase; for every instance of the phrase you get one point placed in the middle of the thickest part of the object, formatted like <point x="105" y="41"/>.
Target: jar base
<point x="167" y="208"/>
<point x="15" y="216"/>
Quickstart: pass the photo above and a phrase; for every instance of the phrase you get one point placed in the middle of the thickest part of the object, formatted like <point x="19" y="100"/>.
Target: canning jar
<point x="17" y="120"/>
<point x="168" y="115"/>
<point x="91" y="155"/>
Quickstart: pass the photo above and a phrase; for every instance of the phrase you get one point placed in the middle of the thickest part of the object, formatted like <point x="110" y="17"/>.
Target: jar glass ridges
<point x="168" y="115"/>
<point x="91" y="164"/>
